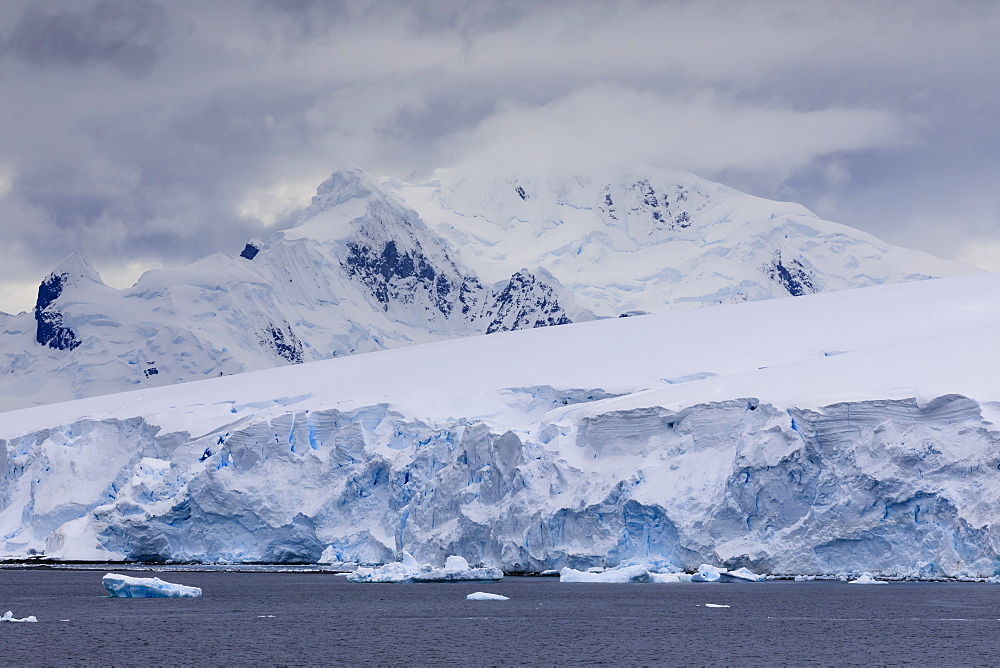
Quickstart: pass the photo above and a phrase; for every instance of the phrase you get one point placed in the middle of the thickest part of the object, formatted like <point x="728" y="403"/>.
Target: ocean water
<point x="321" y="619"/>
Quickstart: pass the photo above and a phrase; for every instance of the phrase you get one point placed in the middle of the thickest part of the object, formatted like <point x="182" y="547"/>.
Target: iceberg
<point x="715" y="605"/>
<point x="669" y="578"/>
<point x="484" y="596"/>
<point x="611" y="575"/>
<point x="708" y="573"/>
<point x="124" y="586"/>
<point x="396" y="571"/>
<point x="456" y="569"/>
<point x="643" y="572"/>
<point x="9" y="617"/>
<point x="740" y="575"/>
<point x="867" y="579"/>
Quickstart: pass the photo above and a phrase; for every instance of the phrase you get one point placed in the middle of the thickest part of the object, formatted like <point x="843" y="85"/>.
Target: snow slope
<point x="840" y="432"/>
<point x="642" y="241"/>
<point x="382" y="264"/>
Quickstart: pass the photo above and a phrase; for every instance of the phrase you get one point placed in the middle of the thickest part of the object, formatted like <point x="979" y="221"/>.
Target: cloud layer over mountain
<point x="149" y="133"/>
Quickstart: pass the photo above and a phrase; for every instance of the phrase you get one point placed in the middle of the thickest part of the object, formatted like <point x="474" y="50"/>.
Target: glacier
<point x="835" y="433"/>
<point x="376" y="264"/>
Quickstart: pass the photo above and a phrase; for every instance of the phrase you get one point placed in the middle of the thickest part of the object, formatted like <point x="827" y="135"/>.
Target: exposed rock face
<point x="50" y="330"/>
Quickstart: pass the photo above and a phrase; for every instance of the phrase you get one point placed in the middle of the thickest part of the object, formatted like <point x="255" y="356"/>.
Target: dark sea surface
<point x="321" y="619"/>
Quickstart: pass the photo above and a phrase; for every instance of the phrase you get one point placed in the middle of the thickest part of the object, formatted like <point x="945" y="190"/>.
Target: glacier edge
<point x="896" y="487"/>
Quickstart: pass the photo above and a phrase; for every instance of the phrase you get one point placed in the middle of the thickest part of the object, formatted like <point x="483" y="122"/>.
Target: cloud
<point x="154" y="133"/>
<point x="126" y="34"/>
<point x="608" y="126"/>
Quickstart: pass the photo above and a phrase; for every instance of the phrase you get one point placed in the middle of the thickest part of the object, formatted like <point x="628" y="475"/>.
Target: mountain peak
<point x="76" y="268"/>
<point x="345" y="184"/>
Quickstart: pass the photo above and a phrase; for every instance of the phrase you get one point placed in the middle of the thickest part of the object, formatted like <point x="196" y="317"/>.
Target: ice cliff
<point x="845" y="432"/>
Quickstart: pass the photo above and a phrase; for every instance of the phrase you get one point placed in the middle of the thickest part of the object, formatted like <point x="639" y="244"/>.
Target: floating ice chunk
<point x="9" y="617"/>
<point x="484" y="596"/>
<point x="805" y="578"/>
<point x="397" y="571"/>
<point x="123" y="586"/>
<point x="669" y="578"/>
<point x="612" y="575"/>
<point x="715" y="605"/>
<point x="456" y="569"/>
<point x="740" y="575"/>
<point x="708" y="573"/>
<point x="867" y="579"/>
<point x="549" y="573"/>
<point x="394" y="572"/>
<point x="455" y="563"/>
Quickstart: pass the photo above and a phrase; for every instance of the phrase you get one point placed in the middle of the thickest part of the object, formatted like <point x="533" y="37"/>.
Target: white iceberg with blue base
<point x="124" y="586"/>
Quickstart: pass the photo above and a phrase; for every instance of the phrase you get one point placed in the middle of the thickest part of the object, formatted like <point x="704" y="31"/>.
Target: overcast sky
<point x="148" y="134"/>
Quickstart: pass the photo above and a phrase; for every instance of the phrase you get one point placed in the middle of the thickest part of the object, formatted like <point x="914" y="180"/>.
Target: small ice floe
<point x="456" y="569"/>
<point x="610" y="575"/>
<point x="124" y="586"/>
<point x="805" y="578"/>
<point x="715" y="605"/>
<point x="740" y="575"/>
<point x="551" y="572"/>
<point x="9" y="617"/>
<point x="484" y="596"/>
<point x="708" y="573"/>
<point x="642" y="572"/>
<point x="867" y="579"/>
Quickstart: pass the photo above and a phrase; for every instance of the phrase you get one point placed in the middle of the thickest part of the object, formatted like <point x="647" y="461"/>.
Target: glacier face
<point x="378" y="264"/>
<point x="892" y="487"/>
<point x="815" y="435"/>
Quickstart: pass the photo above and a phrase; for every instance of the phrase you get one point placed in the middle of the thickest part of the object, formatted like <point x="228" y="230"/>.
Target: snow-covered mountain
<point x="381" y="264"/>
<point x="840" y="432"/>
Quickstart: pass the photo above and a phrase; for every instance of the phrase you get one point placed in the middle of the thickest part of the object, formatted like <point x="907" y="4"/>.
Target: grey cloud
<point x="469" y="17"/>
<point x="880" y="115"/>
<point x="126" y="34"/>
<point x="313" y="18"/>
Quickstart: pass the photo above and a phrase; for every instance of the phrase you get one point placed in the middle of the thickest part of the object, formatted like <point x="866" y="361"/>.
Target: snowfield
<point x="379" y="264"/>
<point x="842" y="432"/>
